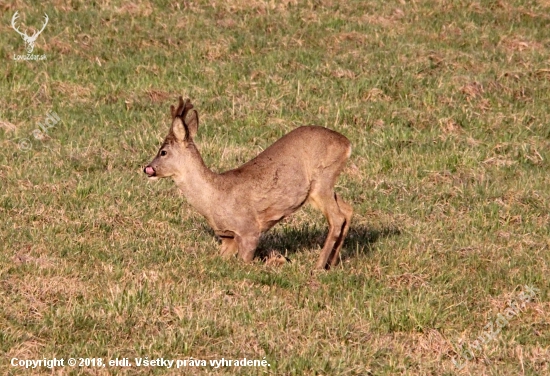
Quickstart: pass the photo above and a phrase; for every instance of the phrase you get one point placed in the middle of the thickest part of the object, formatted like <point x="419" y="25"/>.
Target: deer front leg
<point x="229" y="247"/>
<point x="247" y="246"/>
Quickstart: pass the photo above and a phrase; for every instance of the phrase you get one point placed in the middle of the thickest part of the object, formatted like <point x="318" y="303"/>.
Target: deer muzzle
<point x="149" y="171"/>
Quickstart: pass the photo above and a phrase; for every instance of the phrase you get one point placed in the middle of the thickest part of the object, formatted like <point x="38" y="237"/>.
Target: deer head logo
<point x="29" y="40"/>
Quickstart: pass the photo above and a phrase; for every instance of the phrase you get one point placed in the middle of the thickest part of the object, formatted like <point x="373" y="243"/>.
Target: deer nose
<point x="150" y="171"/>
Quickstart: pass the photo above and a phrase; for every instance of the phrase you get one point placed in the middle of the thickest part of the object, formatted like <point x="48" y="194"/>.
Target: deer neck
<point x="197" y="182"/>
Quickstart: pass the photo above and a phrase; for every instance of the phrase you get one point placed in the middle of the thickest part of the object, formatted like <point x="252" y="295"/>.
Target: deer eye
<point x="163" y="153"/>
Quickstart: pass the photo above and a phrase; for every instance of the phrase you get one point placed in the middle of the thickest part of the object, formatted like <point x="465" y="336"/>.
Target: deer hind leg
<point x="327" y="202"/>
<point x="347" y="210"/>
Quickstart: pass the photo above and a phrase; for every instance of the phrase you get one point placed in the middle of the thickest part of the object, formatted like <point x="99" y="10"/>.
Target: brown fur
<point x="240" y="204"/>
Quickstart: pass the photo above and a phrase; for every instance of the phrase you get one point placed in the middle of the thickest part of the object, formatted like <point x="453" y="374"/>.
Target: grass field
<point x="445" y="103"/>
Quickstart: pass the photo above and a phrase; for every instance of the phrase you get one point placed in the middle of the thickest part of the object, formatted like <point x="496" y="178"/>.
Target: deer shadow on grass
<point x="289" y="240"/>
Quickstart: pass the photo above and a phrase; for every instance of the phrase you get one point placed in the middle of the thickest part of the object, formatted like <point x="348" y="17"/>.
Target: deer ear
<point x="179" y="130"/>
<point x="192" y="123"/>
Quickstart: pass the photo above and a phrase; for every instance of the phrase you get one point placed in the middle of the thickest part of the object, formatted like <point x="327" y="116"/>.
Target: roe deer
<point x="240" y="204"/>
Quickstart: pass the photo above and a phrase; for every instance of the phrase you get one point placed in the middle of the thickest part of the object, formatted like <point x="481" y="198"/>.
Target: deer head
<point x="29" y="40"/>
<point x="178" y="147"/>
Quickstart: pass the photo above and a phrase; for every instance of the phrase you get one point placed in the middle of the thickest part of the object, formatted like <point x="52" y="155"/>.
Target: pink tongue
<point x="149" y="170"/>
